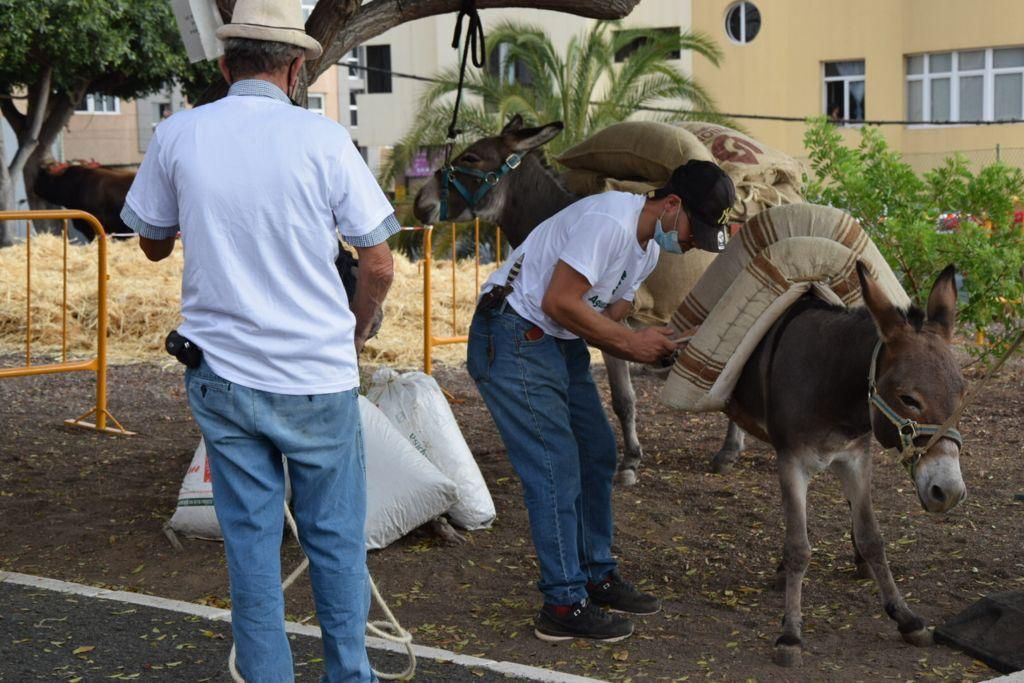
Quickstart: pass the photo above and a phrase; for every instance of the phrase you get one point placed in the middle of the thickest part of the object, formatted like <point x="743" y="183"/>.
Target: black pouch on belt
<point x="493" y="298"/>
<point x="183" y="349"/>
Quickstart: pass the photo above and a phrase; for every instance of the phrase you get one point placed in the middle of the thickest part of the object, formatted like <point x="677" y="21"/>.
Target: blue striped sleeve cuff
<point x="388" y="227"/>
<point x="144" y="229"/>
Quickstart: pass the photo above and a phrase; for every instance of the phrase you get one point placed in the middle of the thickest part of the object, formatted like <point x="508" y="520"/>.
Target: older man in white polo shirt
<point x="259" y="190"/>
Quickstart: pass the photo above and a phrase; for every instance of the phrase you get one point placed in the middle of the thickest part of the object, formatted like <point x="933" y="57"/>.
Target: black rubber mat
<point x="991" y="630"/>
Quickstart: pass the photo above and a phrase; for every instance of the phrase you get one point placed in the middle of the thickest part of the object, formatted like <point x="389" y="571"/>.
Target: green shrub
<point x="900" y="211"/>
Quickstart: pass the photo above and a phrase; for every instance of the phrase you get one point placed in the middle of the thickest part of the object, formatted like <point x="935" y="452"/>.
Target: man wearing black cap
<point x="570" y="283"/>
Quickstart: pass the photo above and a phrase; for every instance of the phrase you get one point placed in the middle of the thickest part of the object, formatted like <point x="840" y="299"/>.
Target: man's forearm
<point x="600" y="331"/>
<point x="376" y="272"/>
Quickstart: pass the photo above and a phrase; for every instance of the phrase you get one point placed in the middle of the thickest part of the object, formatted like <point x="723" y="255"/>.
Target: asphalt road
<point x="50" y="635"/>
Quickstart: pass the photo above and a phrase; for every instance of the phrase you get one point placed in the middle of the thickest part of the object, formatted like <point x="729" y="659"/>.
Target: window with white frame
<point x="844" y="90"/>
<point x="353" y="108"/>
<point x="966" y="85"/>
<point x="307" y="8"/>
<point x="742" y="22"/>
<point x="94" y="103"/>
<point x="315" y="103"/>
<point x="356" y="58"/>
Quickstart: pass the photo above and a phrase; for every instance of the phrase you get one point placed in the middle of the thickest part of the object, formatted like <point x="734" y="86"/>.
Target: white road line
<point x="522" y="671"/>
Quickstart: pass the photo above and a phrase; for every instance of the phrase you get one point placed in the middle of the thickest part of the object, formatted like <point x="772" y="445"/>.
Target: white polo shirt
<point x="260" y="190"/>
<point x="596" y="236"/>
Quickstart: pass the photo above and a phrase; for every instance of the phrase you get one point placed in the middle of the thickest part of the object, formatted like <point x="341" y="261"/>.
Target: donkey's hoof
<point x="919" y="638"/>
<point x="723" y="461"/>
<point x="788" y="655"/>
<point x="626" y="477"/>
<point x="861" y="571"/>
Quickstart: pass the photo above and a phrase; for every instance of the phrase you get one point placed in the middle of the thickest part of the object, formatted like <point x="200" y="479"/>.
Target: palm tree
<point x="586" y="88"/>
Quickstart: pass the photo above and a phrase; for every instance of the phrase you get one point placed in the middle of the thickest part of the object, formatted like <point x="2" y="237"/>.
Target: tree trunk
<point x="6" y="198"/>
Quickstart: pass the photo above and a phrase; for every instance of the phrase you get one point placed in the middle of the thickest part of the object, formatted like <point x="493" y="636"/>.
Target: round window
<point x="742" y="22"/>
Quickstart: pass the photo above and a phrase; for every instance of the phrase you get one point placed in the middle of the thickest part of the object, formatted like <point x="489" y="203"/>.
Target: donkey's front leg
<point x="855" y="475"/>
<point x="796" y="555"/>
<point x="624" y="405"/>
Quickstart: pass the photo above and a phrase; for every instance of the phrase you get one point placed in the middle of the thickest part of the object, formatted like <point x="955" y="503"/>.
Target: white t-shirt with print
<point x="260" y="189"/>
<point x="596" y="236"/>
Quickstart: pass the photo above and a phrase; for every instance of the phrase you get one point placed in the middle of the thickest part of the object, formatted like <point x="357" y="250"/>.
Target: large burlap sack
<point x="403" y="489"/>
<point x="418" y="409"/>
<point x="778" y="256"/>
<point x="764" y="177"/>
<point x="635" y="150"/>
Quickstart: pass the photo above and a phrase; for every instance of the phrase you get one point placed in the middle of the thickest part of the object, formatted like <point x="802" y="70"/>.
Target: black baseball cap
<point x="708" y="195"/>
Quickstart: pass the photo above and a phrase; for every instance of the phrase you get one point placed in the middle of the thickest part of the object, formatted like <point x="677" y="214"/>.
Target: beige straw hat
<point x="273" y="20"/>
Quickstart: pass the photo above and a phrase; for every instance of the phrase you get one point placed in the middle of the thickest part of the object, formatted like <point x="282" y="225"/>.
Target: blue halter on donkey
<point x="489" y="179"/>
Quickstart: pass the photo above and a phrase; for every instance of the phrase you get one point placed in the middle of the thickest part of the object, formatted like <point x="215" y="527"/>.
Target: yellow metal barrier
<point x="97" y="364"/>
<point x="429" y="340"/>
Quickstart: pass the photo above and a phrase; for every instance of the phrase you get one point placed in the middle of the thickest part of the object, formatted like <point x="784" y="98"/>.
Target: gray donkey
<point x="518" y="196"/>
<point x="821" y="382"/>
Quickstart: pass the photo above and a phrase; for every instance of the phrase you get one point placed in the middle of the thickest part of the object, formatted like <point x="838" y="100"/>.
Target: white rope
<point x="389" y="629"/>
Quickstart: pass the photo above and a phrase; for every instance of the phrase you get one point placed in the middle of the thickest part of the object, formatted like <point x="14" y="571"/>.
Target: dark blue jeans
<point x="548" y="411"/>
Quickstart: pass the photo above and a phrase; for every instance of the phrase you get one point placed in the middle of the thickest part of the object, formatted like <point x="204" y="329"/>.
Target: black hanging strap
<point x="474" y="42"/>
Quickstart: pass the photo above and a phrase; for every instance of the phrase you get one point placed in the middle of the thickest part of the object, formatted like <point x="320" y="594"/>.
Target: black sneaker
<point x="557" y="623"/>
<point x="617" y="595"/>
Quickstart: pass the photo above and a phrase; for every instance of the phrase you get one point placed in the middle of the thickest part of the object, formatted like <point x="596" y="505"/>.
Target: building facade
<point x="951" y="70"/>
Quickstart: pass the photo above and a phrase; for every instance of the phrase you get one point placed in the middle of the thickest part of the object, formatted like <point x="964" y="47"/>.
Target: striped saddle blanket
<point x="778" y="255"/>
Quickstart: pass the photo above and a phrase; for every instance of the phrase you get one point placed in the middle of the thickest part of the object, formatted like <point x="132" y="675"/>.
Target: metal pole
<point x="28" y="292"/>
<point x="64" y="307"/>
<point x="998" y="154"/>
<point x="427" y="265"/>
<point x="101" y="332"/>
<point x="453" y="279"/>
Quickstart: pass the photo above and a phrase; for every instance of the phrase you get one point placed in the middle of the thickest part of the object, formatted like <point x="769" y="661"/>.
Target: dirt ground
<point x="89" y="508"/>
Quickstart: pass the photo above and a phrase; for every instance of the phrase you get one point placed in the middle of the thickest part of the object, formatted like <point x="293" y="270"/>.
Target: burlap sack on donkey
<point x="780" y="254"/>
<point x="635" y="150"/>
<point x="763" y="176"/>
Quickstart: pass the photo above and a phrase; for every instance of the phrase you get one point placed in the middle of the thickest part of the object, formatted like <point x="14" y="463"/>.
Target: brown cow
<point x="87" y="187"/>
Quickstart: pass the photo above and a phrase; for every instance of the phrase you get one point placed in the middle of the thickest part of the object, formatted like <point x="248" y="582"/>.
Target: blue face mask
<point x="669" y="241"/>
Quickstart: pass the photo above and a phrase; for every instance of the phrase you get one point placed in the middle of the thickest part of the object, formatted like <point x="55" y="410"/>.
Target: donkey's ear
<point x="514" y="124"/>
<point x="531" y="138"/>
<point x="942" y="302"/>
<point x="889" y="319"/>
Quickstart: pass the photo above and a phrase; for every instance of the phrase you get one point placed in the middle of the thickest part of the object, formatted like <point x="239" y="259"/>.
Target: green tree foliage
<point x="67" y="48"/>
<point x="584" y="87"/>
<point x="900" y="211"/>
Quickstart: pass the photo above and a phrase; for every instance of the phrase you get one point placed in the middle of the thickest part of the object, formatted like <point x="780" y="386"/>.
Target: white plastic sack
<point x="403" y="490"/>
<point x="195" y="516"/>
<point x="417" y="407"/>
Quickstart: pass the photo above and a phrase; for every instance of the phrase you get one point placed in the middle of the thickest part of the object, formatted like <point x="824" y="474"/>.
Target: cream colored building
<point x="921" y="61"/>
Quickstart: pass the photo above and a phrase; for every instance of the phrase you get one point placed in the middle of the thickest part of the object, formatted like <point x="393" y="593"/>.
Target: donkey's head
<point x="917" y="387"/>
<point x="471" y="185"/>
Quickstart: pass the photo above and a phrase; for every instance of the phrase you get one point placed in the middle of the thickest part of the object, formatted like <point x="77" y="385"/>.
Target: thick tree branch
<point x="376" y="17"/>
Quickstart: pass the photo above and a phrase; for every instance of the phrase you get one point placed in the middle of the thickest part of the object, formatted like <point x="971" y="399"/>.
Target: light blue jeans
<point x="544" y="401"/>
<point x="246" y="432"/>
